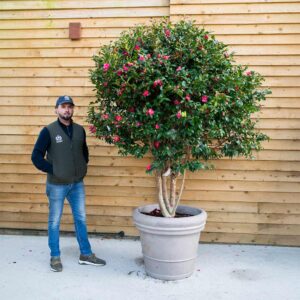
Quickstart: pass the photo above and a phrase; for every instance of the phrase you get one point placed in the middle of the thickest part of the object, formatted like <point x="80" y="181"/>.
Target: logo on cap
<point x="67" y="98"/>
<point x="58" y="139"/>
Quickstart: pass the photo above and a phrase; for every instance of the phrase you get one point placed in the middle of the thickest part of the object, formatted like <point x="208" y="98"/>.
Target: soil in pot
<point x="157" y="213"/>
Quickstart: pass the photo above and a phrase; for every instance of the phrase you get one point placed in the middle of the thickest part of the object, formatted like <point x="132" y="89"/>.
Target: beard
<point x="66" y="116"/>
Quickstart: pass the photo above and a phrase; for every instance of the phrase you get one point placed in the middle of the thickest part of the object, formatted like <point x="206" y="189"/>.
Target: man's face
<point x="65" y="111"/>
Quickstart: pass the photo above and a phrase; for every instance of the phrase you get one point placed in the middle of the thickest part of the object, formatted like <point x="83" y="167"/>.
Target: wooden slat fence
<point x="247" y="201"/>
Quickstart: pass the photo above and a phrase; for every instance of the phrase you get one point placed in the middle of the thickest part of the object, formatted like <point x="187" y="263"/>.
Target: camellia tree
<point x="173" y="90"/>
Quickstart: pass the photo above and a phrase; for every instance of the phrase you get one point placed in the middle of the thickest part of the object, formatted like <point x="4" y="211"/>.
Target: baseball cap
<point x="64" y="99"/>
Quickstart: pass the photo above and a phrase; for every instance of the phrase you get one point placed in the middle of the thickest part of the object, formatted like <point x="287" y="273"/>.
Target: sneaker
<point x="55" y="264"/>
<point x="91" y="259"/>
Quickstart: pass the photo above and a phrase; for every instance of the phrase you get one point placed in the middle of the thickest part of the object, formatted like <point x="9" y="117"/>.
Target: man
<point x="64" y="142"/>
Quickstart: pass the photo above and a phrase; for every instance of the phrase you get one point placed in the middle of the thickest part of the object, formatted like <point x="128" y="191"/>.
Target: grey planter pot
<point x="170" y="245"/>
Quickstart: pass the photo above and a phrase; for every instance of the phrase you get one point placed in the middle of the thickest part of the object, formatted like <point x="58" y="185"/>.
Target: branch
<point x="181" y="190"/>
<point x="173" y="190"/>
<point x="164" y="188"/>
<point x="164" y="210"/>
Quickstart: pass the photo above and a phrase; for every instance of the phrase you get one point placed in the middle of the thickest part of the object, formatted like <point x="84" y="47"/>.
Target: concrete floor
<point x="229" y="272"/>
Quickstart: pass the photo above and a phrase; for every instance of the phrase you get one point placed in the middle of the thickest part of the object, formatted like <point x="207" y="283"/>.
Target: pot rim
<point x="196" y="220"/>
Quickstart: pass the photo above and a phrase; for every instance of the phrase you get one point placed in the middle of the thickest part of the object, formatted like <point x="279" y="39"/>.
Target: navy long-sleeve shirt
<point x="43" y="143"/>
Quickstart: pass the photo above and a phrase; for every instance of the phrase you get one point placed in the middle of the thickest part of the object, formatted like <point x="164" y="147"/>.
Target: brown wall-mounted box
<point x="74" y="31"/>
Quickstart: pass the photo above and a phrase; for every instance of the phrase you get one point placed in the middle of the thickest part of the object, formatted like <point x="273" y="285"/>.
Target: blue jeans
<point x="75" y="194"/>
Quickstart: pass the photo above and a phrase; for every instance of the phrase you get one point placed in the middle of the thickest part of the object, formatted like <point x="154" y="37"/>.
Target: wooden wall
<point x="247" y="201"/>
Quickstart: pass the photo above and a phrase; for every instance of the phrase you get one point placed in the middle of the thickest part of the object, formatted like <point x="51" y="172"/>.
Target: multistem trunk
<point x="168" y="205"/>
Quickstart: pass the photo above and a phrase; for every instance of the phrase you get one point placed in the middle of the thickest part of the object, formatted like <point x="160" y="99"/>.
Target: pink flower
<point x="157" y="126"/>
<point x="92" y="129"/>
<point x="120" y="72"/>
<point x="106" y="67"/>
<point x="150" y="112"/>
<point x="137" y="47"/>
<point x="149" y="55"/>
<point x="167" y="33"/>
<point x="146" y="93"/>
<point x="179" y="69"/>
<point x="156" y="144"/>
<point x="206" y="37"/>
<point x="116" y="139"/>
<point x="105" y="116"/>
<point x="105" y="84"/>
<point x="125" y="68"/>
<point x="157" y="82"/>
<point x="118" y="118"/>
<point x="138" y="124"/>
<point x="148" y="168"/>
<point x="226" y="54"/>
<point x="176" y="102"/>
<point x="249" y="73"/>
<point x="141" y="58"/>
<point x="130" y="64"/>
<point x="166" y="57"/>
<point x="178" y="115"/>
<point x="204" y="98"/>
<point x="125" y="53"/>
<point x="187" y="97"/>
<point x="158" y="55"/>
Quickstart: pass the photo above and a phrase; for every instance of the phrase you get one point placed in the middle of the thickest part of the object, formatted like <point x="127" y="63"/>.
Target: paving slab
<point x="223" y="272"/>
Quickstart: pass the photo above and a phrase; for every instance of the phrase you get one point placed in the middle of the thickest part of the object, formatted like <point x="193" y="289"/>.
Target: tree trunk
<point x="168" y="205"/>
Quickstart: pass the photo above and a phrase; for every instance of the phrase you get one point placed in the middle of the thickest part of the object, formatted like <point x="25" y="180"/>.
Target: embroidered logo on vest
<point x="58" y="139"/>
